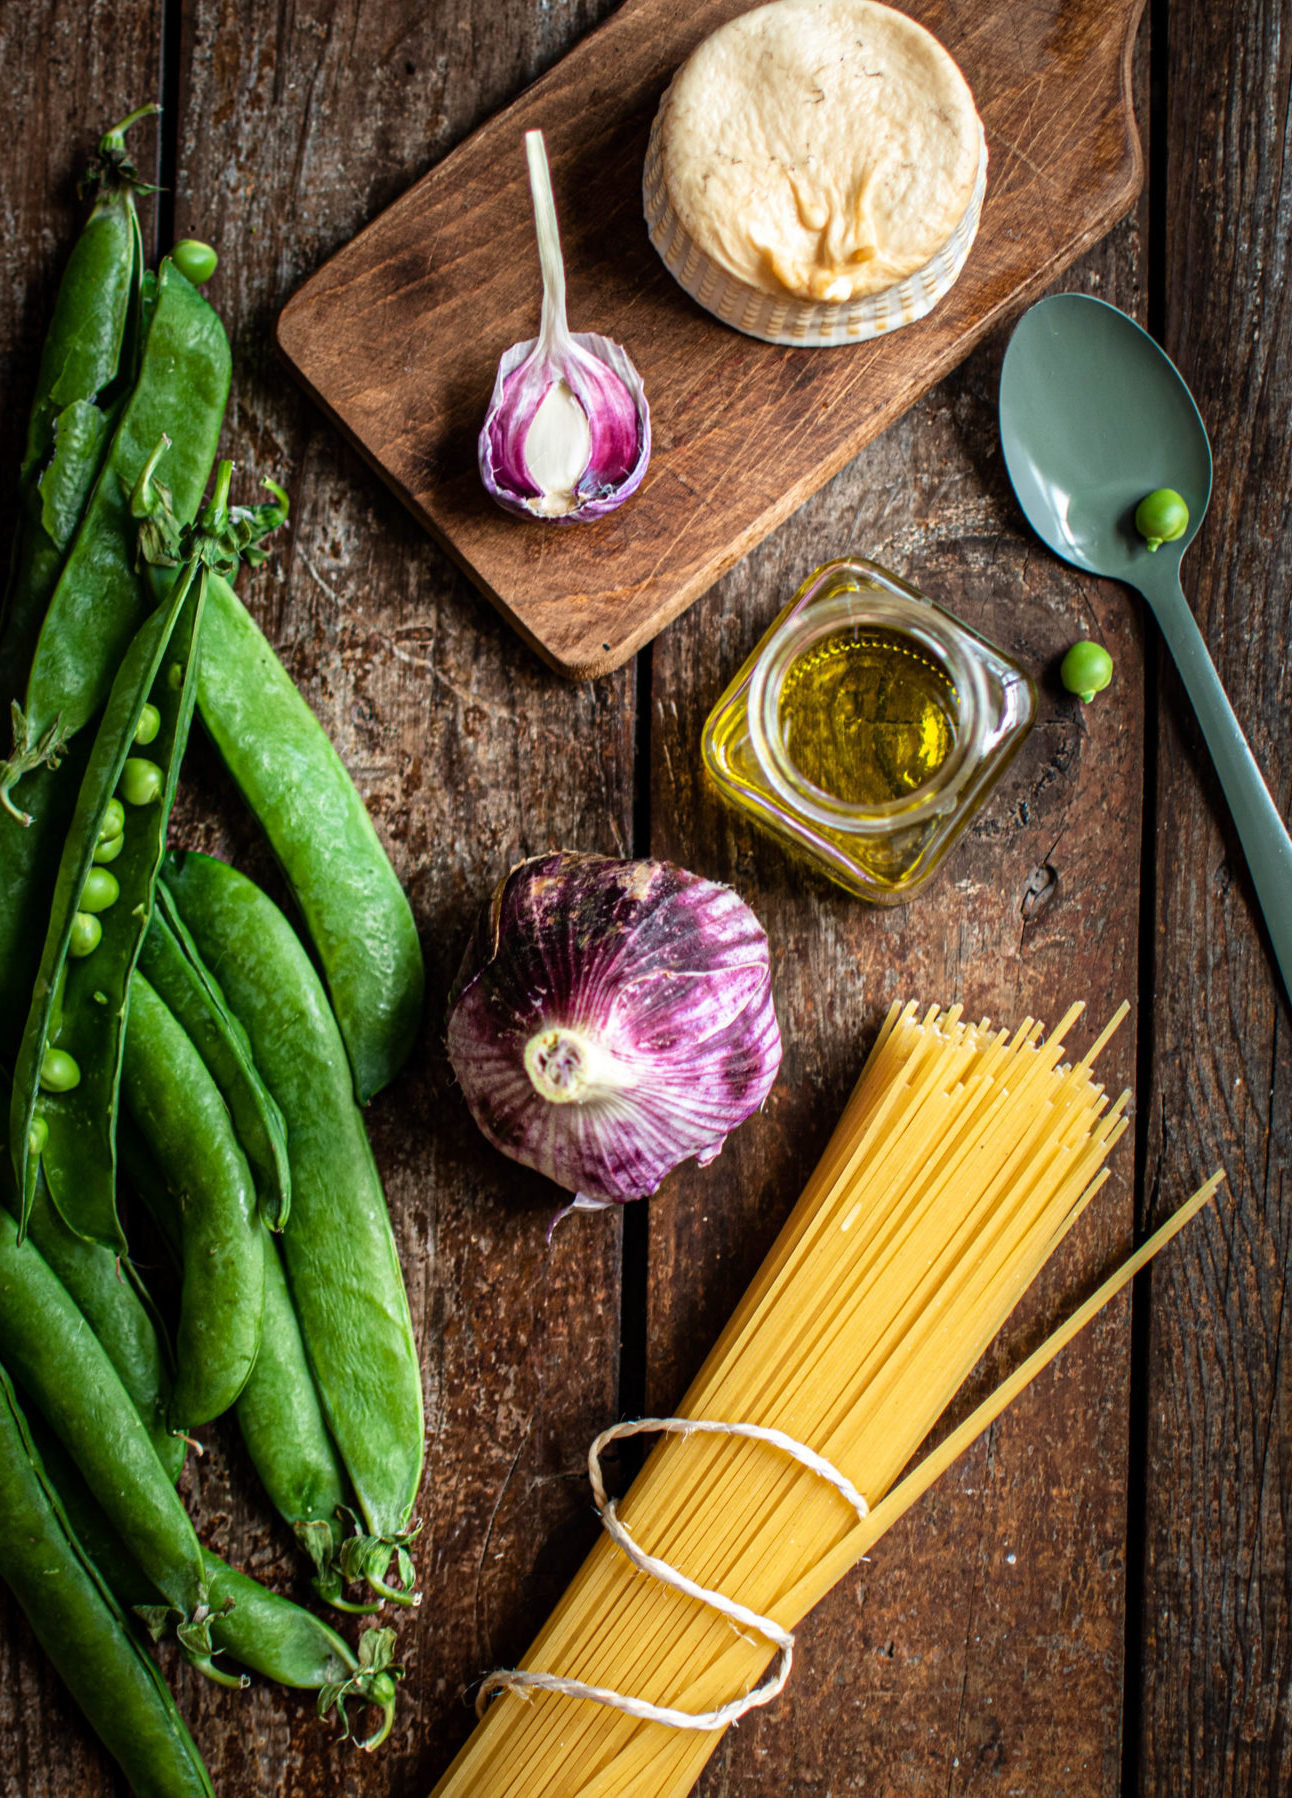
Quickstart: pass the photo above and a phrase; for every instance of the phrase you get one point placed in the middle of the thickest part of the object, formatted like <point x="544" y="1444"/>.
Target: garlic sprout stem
<point x="554" y="329"/>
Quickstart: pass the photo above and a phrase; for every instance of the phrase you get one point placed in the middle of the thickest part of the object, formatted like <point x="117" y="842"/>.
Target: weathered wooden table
<point x="1098" y="1600"/>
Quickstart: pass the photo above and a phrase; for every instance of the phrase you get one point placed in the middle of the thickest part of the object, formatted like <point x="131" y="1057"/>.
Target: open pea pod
<point x="69" y="1061"/>
<point x="192" y="994"/>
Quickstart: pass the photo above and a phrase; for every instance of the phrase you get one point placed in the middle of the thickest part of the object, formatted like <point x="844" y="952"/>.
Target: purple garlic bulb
<point x="611" y="1019"/>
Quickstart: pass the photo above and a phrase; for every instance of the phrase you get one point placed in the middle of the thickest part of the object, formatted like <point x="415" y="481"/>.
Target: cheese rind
<point x="823" y="149"/>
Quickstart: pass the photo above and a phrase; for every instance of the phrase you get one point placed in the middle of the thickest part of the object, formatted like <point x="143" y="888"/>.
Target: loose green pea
<point x="109" y="851"/>
<point x="1161" y="517"/>
<point x="114" y="821"/>
<point x="195" y="260"/>
<point x="1086" y="670"/>
<point x="141" y="781"/>
<point x="86" y="935"/>
<point x="148" y="726"/>
<point x="58" y="1072"/>
<point x="101" y="890"/>
<point x="37" y="1136"/>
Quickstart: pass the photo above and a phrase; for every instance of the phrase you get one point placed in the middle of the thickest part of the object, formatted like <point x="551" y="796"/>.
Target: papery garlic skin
<point x="603" y="383"/>
<point x="612" y="1019"/>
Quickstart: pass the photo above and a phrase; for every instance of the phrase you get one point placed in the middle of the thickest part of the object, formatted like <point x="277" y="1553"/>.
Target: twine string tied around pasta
<point x="520" y="1680"/>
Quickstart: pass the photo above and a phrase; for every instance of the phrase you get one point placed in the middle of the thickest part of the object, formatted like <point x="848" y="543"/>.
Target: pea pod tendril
<point x="373" y="1682"/>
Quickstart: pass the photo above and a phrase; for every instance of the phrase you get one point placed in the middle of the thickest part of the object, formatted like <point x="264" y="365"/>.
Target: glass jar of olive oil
<point x="867" y="728"/>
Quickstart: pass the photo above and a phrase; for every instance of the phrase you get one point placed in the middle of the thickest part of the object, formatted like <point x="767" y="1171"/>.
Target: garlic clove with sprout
<point x="567" y="433"/>
<point x="611" y="1019"/>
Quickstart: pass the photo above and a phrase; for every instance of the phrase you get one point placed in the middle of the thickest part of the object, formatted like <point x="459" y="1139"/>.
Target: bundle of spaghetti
<point x="962" y="1159"/>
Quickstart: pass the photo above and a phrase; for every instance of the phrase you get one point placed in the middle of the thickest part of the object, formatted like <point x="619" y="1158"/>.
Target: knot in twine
<point x="516" y="1679"/>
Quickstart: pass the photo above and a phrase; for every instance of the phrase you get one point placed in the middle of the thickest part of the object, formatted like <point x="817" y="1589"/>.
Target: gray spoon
<point x="1093" y="416"/>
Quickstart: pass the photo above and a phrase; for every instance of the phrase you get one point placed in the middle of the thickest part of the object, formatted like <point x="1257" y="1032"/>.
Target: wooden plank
<point x="1217" y="1603"/>
<point x="981" y="1649"/>
<point x="63" y="88"/>
<point x="399" y="335"/>
<point x="470" y="756"/>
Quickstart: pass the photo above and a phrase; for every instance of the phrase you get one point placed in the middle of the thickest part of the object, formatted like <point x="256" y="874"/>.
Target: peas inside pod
<point x="86" y="935"/>
<point x="100" y="892"/>
<point x="141" y="781"/>
<point x="148" y="726"/>
<point x="59" y="1073"/>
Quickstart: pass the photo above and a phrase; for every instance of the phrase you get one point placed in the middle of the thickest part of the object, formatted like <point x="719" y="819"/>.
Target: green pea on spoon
<point x="1105" y="446"/>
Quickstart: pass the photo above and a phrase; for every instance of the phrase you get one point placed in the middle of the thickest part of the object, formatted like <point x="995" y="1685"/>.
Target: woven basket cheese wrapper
<point x="962" y="1159"/>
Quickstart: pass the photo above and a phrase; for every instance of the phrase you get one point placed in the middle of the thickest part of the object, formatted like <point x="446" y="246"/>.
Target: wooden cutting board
<point x="398" y="335"/>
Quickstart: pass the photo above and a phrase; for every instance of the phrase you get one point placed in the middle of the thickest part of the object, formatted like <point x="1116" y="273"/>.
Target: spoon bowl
<point x="1094" y="416"/>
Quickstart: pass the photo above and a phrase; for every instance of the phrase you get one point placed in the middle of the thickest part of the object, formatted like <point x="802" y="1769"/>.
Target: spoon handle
<point x="1262" y="832"/>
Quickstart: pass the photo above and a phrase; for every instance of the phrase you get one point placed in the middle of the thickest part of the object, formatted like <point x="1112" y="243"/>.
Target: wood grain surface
<point x="398" y="336"/>
<point x="1215" y="1662"/>
<point x="1137" y="1498"/>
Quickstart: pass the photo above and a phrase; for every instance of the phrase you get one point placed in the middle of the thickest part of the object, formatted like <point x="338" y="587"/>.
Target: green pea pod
<point x="253" y="1626"/>
<point x="296" y="784"/>
<point x="99" y="604"/>
<point x="87" y="354"/>
<point x="78" y="1006"/>
<point x="148" y="1185"/>
<point x="81" y="1627"/>
<point x="47" y="1345"/>
<point x="177" y="972"/>
<point x="278" y="1410"/>
<point x="115" y="1304"/>
<point x="282" y="1425"/>
<point x="90" y="1526"/>
<point x="282" y="1642"/>
<point x="178" y="1110"/>
<point x="342" y="1265"/>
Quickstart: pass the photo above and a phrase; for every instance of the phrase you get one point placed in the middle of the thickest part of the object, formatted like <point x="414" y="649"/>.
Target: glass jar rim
<point x="889" y="603"/>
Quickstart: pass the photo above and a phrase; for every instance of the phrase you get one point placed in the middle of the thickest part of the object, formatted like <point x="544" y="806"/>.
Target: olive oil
<point x="868" y="716"/>
<point x="866" y="728"/>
